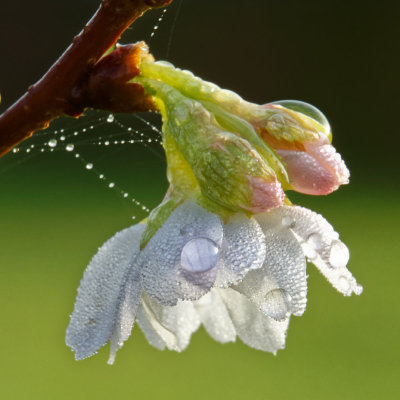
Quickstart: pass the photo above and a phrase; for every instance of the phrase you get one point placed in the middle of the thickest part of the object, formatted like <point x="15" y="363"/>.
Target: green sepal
<point x="157" y="218"/>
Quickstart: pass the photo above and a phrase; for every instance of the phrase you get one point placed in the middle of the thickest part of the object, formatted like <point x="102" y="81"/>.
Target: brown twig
<point x="82" y="78"/>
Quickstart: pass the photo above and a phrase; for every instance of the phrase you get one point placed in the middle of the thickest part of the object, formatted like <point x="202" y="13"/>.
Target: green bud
<point x="228" y="169"/>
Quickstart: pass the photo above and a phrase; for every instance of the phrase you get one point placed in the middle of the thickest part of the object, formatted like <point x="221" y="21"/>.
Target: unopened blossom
<point x="225" y="249"/>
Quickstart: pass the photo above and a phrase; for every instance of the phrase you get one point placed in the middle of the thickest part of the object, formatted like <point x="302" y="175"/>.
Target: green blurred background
<point x="342" y="57"/>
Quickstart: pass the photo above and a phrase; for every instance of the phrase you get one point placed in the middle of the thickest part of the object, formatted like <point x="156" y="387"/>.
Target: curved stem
<point x="58" y="92"/>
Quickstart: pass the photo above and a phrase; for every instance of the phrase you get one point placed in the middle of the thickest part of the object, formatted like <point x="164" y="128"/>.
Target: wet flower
<point x="226" y="248"/>
<point x="243" y="278"/>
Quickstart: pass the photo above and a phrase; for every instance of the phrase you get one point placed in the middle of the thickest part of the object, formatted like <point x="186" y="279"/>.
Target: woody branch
<point x="82" y="77"/>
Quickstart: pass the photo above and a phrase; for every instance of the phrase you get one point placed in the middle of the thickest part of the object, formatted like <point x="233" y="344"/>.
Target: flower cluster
<point x="225" y="248"/>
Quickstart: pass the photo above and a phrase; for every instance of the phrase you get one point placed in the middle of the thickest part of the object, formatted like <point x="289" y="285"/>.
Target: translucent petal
<point x="321" y="245"/>
<point x="164" y="277"/>
<point x="96" y="308"/>
<point x="252" y="326"/>
<point x="146" y="322"/>
<point x="172" y="325"/>
<point x="243" y="249"/>
<point x="279" y="288"/>
<point x="215" y="317"/>
<point x="127" y="311"/>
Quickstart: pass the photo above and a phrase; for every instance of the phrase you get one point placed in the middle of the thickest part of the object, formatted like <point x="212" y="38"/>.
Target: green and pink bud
<point x="239" y="155"/>
<point x="302" y="142"/>
<point x="205" y="159"/>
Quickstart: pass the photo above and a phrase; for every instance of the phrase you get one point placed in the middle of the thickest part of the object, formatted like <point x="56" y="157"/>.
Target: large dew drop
<point x="306" y="109"/>
<point x="339" y="254"/>
<point x="199" y="255"/>
<point x="276" y="304"/>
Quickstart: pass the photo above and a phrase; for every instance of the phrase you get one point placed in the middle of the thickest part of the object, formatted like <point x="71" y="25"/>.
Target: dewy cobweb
<point x="83" y="140"/>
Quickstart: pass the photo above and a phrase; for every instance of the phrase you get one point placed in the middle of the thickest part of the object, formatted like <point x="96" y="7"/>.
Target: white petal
<point x="172" y="268"/>
<point x="215" y="317"/>
<point x="172" y="325"/>
<point x="146" y="322"/>
<point x="279" y="288"/>
<point x="127" y="311"/>
<point x="243" y="249"/>
<point x="252" y="326"/>
<point x="96" y="308"/>
<point x="321" y="245"/>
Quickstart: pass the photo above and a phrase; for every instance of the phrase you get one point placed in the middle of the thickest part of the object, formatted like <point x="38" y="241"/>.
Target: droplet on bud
<point x="306" y="109"/>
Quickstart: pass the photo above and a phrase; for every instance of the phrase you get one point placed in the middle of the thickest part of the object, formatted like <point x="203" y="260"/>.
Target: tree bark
<point x="73" y="84"/>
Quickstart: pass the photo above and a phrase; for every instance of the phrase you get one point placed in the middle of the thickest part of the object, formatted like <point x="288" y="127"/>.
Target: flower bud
<point x="297" y="136"/>
<point x="302" y="142"/>
<point x="227" y="168"/>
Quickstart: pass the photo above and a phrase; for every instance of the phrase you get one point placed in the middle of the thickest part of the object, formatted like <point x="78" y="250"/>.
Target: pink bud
<point x="318" y="170"/>
<point x="265" y="195"/>
<point x="302" y="143"/>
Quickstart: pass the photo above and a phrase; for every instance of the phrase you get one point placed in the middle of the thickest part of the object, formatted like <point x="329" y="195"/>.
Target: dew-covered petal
<point x="215" y="317"/>
<point x="243" y="249"/>
<point x="129" y="304"/>
<point x="171" y="325"/>
<point x="253" y="327"/>
<point x="279" y="288"/>
<point x="180" y="261"/>
<point x="146" y="322"/>
<point x="96" y="310"/>
<point x="321" y="245"/>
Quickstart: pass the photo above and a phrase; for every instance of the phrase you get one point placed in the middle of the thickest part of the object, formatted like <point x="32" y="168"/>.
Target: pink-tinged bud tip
<point x="265" y="195"/>
<point x="319" y="170"/>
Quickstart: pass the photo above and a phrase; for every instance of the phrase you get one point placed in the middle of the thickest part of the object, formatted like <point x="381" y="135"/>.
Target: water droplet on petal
<point x="288" y="221"/>
<point x="199" y="255"/>
<point x="276" y="304"/>
<point x="315" y="241"/>
<point x="52" y="142"/>
<point x="89" y="166"/>
<point x="344" y="284"/>
<point x="358" y="289"/>
<point x="69" y="147"/>
<point x="309" y="251"/>
<point x="339" y="254"/>
<point x="110" y="118"/>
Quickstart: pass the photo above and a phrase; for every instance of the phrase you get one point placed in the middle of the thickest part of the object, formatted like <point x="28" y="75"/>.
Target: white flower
<point x="243" y="278"/>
